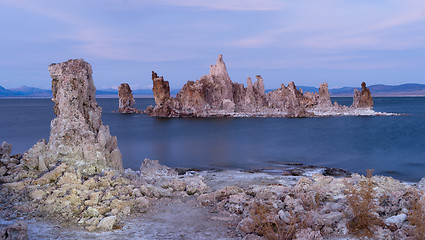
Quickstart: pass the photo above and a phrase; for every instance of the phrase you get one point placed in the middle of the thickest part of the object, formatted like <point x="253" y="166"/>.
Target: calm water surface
<point x="392" y="145"/>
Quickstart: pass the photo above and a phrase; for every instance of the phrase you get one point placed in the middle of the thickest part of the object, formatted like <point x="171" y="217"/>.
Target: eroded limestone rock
<point x="289" y="99"/>
<point x="161" y="89"/>
<point x="77" y="134"/>
<point x="126" y="99"/>
<point x="107" y="223"/>
<point x="5" y="150"/>
<point x="255" y="96"/>
<point x="362" y="99"/>
<point x="215" y="95"/>
<point x="152" y="168"/>
<point x="324" y="99"/>
<point x="165" y="105"/>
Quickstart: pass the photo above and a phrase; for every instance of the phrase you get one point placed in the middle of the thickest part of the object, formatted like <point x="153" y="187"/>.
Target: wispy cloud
<point x="96" y="39"/>
<point x="235" y="5"/>
<point x="42" y="8"/>
<point x="182" y="37"/>
<point x="331" y="26"/>
<point x="308" y="60"/>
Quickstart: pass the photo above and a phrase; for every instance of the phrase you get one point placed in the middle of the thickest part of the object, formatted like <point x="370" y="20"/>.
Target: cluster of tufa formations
<point x="215" y="95"/>
<point x="77" y="178"/>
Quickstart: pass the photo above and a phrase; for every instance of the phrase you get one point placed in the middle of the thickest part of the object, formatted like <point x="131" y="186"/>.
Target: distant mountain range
<point x="409" y="89"/>
<point x="380" y="90"/>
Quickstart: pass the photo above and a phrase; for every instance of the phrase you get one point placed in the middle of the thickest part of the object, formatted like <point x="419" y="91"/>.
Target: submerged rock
<point x="362" y="99"/>
<point x="126" y="99"/>
<point x="215" y="95"/>
<point x="77" y="134"/>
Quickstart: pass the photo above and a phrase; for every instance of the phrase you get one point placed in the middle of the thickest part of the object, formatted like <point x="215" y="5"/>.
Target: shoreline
<point x="152" y="96"/>
<point x="238" y="190"/>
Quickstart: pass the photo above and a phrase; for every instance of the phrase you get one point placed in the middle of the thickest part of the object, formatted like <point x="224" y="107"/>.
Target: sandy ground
<point x="167" y="219"/>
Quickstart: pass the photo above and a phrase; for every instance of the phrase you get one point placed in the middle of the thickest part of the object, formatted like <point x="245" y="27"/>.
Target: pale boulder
<point x="107" y="223"/>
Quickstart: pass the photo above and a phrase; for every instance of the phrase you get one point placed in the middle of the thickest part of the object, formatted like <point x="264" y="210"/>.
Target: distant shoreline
<point x="151" y="96"/>
<point x="378" y="90"/>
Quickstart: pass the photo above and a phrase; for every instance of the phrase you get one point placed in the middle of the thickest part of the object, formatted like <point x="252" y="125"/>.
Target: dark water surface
<point x="392" y="145"/>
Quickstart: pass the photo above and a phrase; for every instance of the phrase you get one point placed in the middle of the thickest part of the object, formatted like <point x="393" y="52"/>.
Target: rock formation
<point x="324" y="98"/>
<point x="362" y="99"/>
<point x="126" y="99"/>
<point x="215" y="95"/>
<point x="5" y="150"/>
<point x="165" y="105"/>
<point x="289" y="99"/>
<point x="77" y="136"/>
<point x="255" y="96"/>
<point x="161" y="89"/>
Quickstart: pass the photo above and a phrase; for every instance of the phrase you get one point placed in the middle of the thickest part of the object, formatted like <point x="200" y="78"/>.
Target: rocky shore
<point x="75" y="186"/>
<point x="244" y="205"/>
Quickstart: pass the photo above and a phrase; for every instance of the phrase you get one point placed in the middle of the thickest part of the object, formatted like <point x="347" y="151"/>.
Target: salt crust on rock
<point x="77" y="134"/>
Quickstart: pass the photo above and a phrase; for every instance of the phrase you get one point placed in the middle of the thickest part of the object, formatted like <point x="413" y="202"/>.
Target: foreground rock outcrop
<point x="96" y="202"/>
<point x="264" y="206"/>
<point x="321" y="207"/>
<point x="215" y="95"/>
<point x="77" y="136"/>
<point x="126" y="99"/>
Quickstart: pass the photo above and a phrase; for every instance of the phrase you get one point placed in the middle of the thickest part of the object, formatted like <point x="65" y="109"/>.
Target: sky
<point x="341" y="42"/>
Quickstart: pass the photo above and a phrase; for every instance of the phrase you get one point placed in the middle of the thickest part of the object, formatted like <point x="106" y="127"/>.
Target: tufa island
<point x="75" y="183"/>
<point x="215" y="95"/>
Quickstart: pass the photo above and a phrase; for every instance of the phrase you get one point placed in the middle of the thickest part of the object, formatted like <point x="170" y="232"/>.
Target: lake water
<point x="392" y="145"/>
